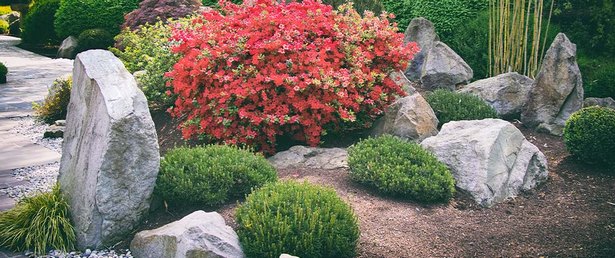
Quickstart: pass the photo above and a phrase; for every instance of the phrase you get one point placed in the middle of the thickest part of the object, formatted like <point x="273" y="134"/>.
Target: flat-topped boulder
<point x="110" y="157"/>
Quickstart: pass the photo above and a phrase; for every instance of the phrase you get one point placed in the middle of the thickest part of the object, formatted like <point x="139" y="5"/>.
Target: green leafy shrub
<point x="302" y="219"/>
<point x="400" y="168"/>
<point x="454" y="106"/>
<point x="598" y="76"/>
<point x="55" y="105"/>
<point x="447" y="15"/>
<point x="38" y="24"/>
<point x="75" y="16"/>
<point x="3" y="72"/>
<point x="94" y="39"/>
<point x="359" y="5"/>
<point x="589" y="135"/>
<point x="471" y="42"/>
<point x="402" y="10"/>
<point x="5" y="9"/>
<point x="4" y="27"/>
<point x="211" y="175"/>
<point x="38" y="223"/>
<point x="148" y="49"/>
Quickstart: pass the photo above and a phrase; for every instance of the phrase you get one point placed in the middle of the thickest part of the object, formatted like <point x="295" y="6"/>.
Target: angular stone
<point x="54" y="131"/>
<point x="200" y="234"/>
<point x="68" y="48"/>
<point x="310" y="157"/>
<point x="400" y="79"/>
<point x="603" y="102"/>
<point x="490" y="159"/>
<point x="507" y="93"/>
<point x="410" y="117"/>
<point x="60" y="122"/>
<point x="110" y="157"/>
<point x="443" y="68"/>
<point x="557" y="91"/>
<point x="421" y="31"/>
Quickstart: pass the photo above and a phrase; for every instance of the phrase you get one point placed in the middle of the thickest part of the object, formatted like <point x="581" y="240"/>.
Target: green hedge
<point x="589" y="135"/>
<point x="38" y="23"/>
<point x="400" y="168"/>
<point x="76" y="16"/>
<point x="300" y="219"/>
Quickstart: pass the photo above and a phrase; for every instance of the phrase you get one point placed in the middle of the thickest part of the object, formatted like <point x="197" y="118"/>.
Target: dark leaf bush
<point x="589" y="135"/>
<point x="447" y="15"/>
<point x="38" y="23"/>
<point x="454" y="106"/>
<point x="598" y="75"/>
<point x="55" y="104"/>
<point x="94" y="39"/>
<point x="272" y="69"/>
<point x="299" y="218"/>
<point x="3" y="72"/>
<point x="153" y="11"/>
<point x="38" y="223"/>
<point x="401" y="169"/>
<point x="75" y="16"/>
<point x="211" y="175"/>
<point x="402" y="10"/>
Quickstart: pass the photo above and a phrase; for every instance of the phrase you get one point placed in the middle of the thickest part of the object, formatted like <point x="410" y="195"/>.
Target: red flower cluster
<point x="250" y="73"/>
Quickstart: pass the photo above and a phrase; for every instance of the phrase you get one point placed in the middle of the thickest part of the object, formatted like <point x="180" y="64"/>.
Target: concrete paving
<point x="28" y="80"/>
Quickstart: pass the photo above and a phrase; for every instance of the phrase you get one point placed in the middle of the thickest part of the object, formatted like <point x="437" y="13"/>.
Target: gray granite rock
<point x="603" y="102"/>
<point x="310" y="157"/>
<point x="490" y="159"/>
<point x="110" y="157"/>
<point x="443" y="68"/>
<point x="557" y="91"/>
<point x="200" y="234"/>
<point x="68" y="48"/>
<point x="410" y="117"/>
<point x="507" y="93"/>
<point x="421" y="31"/>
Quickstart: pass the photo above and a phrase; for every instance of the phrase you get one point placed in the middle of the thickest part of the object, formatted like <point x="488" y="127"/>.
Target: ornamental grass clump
<point x="589" y="135"/>
<point x="455" y="106"/>
<point x="297" y="218"/>
<point x="211" y="175"/>
<point x="38" y="223"/>
<point x="402" y="169"/>
<point x="55" y="105"/>
<point x="248" y="74"/>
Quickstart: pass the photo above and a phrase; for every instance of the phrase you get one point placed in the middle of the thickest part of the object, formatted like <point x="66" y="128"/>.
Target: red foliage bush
<point x="251" y="73"/>
<point x="151" y="11"/>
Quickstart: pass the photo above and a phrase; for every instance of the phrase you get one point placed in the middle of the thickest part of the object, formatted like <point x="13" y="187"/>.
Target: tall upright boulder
<point x="423" y="32"/>
<point x="557" y="91"/>
<point x="110" y="157"/>
<point x="443" y="68"/>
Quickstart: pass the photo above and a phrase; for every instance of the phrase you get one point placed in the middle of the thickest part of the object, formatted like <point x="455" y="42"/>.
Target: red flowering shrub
<point x="251" y="73"/>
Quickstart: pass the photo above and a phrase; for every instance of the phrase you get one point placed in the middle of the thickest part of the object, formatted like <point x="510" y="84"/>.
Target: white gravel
<point x="42" y="178"/>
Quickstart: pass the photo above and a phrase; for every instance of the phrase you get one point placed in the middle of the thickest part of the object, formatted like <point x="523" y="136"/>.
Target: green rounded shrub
<point x="447" y="15"/>
<point x="401" y="169"/>
<point x="38" y="24"/>
<point x="94" y="39"/>
<point x="3" y="72"/>
<point x="38" y="223"/>
<point x="454" y="106"/>
<point x="589" y="135"/>
<point x="211" y="175"/>
<point x="75" y="16"/>
<point x="55" y="105"/>
<point x="297" y="218"/>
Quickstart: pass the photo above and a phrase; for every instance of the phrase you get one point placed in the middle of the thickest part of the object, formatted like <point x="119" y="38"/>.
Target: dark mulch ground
<point x="572" y="214"/>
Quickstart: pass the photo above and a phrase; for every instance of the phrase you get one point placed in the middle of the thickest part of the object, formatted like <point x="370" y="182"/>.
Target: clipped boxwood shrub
<point x="75" y="16"/>
<point x="153" y="11"/>
<point x="589" y="135"/>
<point x="55" y="105"/>
<point x="297" y="218"/>
<point x="401" y="169"/>
<point x="455" y="106"/>
<point x="38" y="223"/>
<point x="94" y="39"/>
<point x="38" y="24"/>
<point x="3" y="72"/>
<point x="211" y="175"/>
